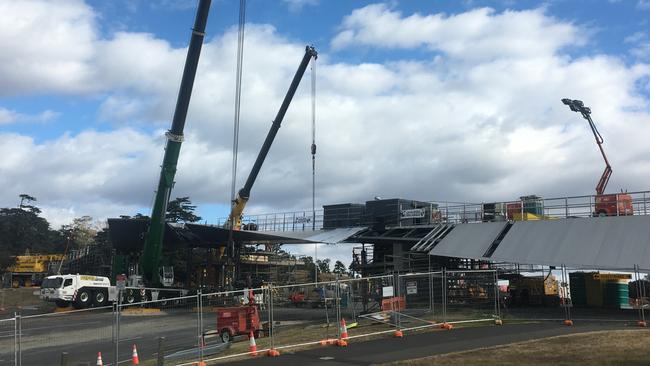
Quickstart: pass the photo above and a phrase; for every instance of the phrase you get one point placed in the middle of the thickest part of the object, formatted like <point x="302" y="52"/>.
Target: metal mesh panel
<point x="470" y="295"/>
<point x="305" y="313"/>
<point x="7" y="341"/>
<point x="80" y="333"/>
<point x="369" y="305"/>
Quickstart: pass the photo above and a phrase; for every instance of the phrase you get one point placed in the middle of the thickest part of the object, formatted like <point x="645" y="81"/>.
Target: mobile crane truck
<point x="86" y="290"/>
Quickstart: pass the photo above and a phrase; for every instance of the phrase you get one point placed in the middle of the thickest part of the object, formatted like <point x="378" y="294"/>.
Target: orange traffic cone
<point x="273" y="353"/>
<point x="252" y="346"/>
<point x="344" y="329"/>
<point x="99" y="359"/>
<point x="134" y="356"/>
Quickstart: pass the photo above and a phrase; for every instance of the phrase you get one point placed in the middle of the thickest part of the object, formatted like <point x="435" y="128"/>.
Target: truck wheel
<point x="129" y="298"/>
<point x="162" y="301"/>
<point x="84" y="299"/>
<point x="62" y="303"/>
<point x="100" y="298"/>
<point x="225" y="336"/>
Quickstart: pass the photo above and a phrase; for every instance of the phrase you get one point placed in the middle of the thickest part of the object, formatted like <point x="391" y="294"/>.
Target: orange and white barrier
<point x="134" y="356"/>
<point x="252" y="346"/>
<point x="344" y="329"/>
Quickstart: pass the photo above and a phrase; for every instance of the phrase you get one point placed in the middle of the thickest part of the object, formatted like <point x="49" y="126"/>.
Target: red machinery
<point x="619" y="204"/>
<point x="239" y="320"/>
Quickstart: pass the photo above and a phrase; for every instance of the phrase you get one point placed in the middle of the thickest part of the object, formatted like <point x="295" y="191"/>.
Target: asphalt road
<point x="83" y="334"/>
<point x="416" y="345"/>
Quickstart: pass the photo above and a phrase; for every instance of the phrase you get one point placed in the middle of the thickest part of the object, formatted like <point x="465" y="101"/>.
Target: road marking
<point x="130" y="339"/>
<point x="326" y="358"/>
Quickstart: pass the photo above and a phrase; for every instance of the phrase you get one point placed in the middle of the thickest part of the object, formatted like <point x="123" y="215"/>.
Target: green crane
<point x="152" y="253"/>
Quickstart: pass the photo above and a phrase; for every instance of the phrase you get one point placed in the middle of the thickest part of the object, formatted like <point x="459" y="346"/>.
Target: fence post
<point x="15" y="339"/>
<point x="398" y="294"/>
<point x="116" y="325"/>
<point x="271" y="326"/>
<point x="566" y="207"/>
<point x="497" y="294"/>
<point x="64" y="358"/>
<point x="431" y="289"/>
<point x="199" y="335"/>
<point x="337" y="293"/>
<point x="161" y="351"/>
<point x="444" y="294"/>
<point x="19" y="320"/>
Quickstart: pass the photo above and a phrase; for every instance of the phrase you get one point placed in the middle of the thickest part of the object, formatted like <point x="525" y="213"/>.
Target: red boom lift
<point x="619" y="204"/>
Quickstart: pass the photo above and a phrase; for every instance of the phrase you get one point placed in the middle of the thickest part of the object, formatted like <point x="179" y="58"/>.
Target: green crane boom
<point x="152" y="253"/>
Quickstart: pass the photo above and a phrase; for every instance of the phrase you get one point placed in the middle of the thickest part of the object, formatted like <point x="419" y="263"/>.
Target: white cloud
<point x="297" y="5"/>
<point x="481" y="119"/>
<point x="8" y="116"/>
<point x="46" y="46"/>
<point x="476" y="34"/>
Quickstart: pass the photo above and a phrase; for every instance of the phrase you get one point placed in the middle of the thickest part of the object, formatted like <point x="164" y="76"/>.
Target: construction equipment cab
<point x="80" y="291"/>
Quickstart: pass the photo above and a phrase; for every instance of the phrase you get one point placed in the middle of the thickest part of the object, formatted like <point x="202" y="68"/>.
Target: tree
<point x="25" y="198"/>
<point x="181" y="210"/>
<point x="80" y="233"/>
<point x="339" y="268"/>
<point x="323" y="265"/>
<point x="352" y="270"/>
<point x="22" y="230"/>
<point x="310" y="266"/>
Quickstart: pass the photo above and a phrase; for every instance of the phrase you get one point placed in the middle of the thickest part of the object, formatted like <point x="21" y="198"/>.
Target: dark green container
<point x="617" y="294"/>
<point x="578" y="288"/>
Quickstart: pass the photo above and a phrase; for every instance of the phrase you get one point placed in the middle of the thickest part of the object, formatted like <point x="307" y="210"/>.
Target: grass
<point x="16" y="299"/>
<point x="607" y="348"/>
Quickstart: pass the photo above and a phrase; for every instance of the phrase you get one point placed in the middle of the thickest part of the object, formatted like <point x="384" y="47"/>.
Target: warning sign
<point x="412" y="288"/>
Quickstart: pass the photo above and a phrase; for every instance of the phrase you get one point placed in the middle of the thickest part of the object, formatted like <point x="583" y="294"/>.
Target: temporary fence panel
<point x="8" y="341"/>
<point x="80" y="333"/>
<point x="422" y="299"/>
<point x="305" y="313"/>
<point x="233" y="321"/>
<point x="141" y="324"/>
<point x="470" y="295"/>
<point x="369" y="305"/>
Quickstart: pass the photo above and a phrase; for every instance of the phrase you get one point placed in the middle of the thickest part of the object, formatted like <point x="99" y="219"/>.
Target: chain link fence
<point x="239" y="324"/>
<point x="8" y="342"/>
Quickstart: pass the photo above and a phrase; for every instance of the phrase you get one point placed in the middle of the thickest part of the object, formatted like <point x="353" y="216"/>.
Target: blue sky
<point x="85" y="104"/>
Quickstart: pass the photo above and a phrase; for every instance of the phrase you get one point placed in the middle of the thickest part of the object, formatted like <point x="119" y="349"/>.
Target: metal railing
<point x="526" y="208"/>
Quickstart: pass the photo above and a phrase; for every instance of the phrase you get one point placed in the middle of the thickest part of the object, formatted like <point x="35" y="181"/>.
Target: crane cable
<point x="230" y="249"/>
<point x="313" y="142"/>
<point x="313" y="160"/>
<point x="240" y="58"/>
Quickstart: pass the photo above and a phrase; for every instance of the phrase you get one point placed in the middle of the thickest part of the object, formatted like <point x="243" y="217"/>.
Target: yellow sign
<point x="612" y="276"/>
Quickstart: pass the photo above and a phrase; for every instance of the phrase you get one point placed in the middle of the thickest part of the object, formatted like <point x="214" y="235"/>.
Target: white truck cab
<point x="81" y="291"/>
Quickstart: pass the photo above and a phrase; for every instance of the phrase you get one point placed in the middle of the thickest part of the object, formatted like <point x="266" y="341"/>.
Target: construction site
<point x="158" y="292"/>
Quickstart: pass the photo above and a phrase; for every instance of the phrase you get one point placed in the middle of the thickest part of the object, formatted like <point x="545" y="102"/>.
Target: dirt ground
<point x="23" y="300"/>
<point x="624" y="347"/>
